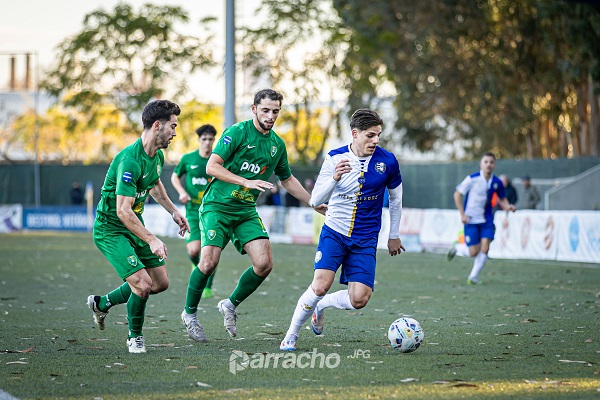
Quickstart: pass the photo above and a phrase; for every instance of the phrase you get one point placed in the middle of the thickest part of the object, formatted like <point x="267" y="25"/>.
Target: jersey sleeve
<point x="128" y="173"/>
<point x="501" y="190"/>
<point x="394" y="178"/>
<point x="325" y="183"/>
<point x="181" y="169"/>
<point x="465" y="185"/>
<point x="228" y="143"/>
<point x="282" y="170"/>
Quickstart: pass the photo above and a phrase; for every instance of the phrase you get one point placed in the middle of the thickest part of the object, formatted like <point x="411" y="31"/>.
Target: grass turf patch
<point x="529" y="332"/>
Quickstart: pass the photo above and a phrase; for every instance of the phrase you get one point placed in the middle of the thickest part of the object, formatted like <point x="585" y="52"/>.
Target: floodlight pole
<point x="36" y="133"/>
<point x="230" y="118"/>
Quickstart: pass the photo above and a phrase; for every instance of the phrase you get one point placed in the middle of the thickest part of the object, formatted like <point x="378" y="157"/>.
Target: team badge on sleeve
<point x="227" y="139"/>
<point x="212" y="234"/>
<point x="132" y="260"/>
<point x="126" y="177"/>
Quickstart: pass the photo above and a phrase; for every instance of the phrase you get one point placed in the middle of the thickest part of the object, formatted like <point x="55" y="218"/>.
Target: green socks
<point x="195" y="260"/>
<point x="136" y="307"/>
<point x="210" y="279"/>
<point x="118" y="296"/>
<point x="247" y="284"/>
<point x="196" y="285"/>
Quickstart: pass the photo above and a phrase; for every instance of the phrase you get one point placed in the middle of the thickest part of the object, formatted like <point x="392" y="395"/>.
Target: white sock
<point x="462" y="250"/>
<point x="340" y="299"/>
<point x="304" y="309"/>
<point x="478" y="264"/>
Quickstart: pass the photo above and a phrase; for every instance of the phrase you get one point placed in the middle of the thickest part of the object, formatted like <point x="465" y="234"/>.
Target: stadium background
<point x="425" y="185"/>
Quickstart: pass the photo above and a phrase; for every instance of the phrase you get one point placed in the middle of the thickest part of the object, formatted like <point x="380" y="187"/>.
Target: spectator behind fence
<point x="76" y="194"/>
<point x="531" y="196"/>
<point x="509" y="190"/>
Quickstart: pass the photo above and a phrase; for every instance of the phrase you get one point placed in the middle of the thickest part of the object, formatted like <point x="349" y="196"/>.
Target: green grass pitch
<point x="531" y="331"/>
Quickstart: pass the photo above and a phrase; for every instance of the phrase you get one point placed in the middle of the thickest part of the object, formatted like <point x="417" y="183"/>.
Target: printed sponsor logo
<point x="199" y="181"/>
<point x="246" y="166"/>
<point x="318" y="256"/>
<point x="574" y="234"/>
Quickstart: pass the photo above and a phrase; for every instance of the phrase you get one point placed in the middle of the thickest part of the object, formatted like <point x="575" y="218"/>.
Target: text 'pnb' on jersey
<point x="250" y="154"/>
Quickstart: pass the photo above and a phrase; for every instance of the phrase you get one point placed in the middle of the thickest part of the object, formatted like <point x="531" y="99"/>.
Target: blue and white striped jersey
<point x="478" y="195"/>
<point x="354" y="207"/>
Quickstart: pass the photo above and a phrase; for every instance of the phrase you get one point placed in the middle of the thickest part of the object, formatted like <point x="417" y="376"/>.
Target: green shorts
<point x="126" y="252"/>
<point x="192" y="213"/>
<point x="218" y="227"/>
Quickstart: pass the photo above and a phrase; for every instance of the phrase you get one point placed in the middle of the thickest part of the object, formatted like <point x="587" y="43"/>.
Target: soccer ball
<point x="405" y="335"/>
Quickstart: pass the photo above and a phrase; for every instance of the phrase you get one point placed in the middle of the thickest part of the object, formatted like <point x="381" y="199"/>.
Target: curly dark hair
<point x="159" y="110"/>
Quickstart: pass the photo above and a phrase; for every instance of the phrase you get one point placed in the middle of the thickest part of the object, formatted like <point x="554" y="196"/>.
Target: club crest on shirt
<point x="132" y="260"/>
<point x="212" y="234"/>
<point x="380" y="167"/>
<point x="273" y="151"/>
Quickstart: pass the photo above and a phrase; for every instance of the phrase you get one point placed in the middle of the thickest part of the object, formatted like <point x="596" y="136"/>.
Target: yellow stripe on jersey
<point x="360" y="185"/>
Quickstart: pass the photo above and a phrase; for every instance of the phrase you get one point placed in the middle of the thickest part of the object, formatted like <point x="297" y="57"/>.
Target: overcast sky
<point x="38" y="26"/>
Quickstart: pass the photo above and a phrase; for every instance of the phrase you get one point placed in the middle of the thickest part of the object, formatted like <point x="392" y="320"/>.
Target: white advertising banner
<point x="579" y="237"/>
<point x="440" y="228"/>
<point x="410" y="229"/>
<point x="525" y="234"/>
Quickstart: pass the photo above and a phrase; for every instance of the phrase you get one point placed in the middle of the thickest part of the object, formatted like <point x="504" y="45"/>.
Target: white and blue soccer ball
<point x="405" y="335"/>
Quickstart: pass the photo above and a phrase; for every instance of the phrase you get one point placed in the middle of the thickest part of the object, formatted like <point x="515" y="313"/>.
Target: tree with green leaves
<point x="127" y="58"/>
<point x="299" y="48"/>
<point x="505" y="75"/>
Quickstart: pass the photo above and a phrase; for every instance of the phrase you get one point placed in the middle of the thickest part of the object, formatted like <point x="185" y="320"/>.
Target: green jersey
<point x="252" y="155"/>
<point x="132" y="173"/>
<point x="193" y="165"/>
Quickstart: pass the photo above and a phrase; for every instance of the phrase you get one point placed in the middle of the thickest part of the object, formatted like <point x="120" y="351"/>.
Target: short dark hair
<point x="489" y="154"/>
<point x="267" y="93"/>
<point x="158" y="110"/>
<point x="206" y="129"/>
<point x="363" y="118"/>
